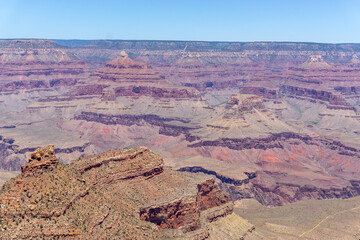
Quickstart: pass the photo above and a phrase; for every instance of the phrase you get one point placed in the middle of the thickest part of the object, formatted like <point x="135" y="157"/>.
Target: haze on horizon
<point x="331" y="21"/>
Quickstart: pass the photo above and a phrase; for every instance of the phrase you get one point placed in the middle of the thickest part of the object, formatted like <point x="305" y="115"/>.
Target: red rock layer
<point x="329" y="97"/>
<point x="165" y="92"/>
<point x="185" y="213"/>
<point x="261" y="91"/>
<point x="124" y="70"/>
<point x="39" y="64"/>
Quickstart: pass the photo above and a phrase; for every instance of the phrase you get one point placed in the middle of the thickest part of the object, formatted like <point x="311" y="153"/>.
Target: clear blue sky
<point x="333" y="21"/>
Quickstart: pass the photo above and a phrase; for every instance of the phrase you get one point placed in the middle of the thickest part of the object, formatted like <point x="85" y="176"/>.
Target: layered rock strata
<point x="102" y="195"/>
<point x="124" y="70"/>
<point x="42" y="159"/>
<point x="185" y="213"/>
<point x="39" y="64"/>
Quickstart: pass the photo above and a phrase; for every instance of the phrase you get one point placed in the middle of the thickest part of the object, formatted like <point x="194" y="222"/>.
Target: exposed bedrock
<point x="210" y="85"/>
<point x="184" y="213"/>
<point x="351" y="90"/>
<point x="129" y="120"/>
<point x="147" y="164"/>
<point x="278" y="194"/>
<point x="288" y="193"/>
<point x="30" y="64"/>
<point x="42" y="159"/>
<point x="54" y="194"/>
<point x="262" y="92"/>
<point x="12" y="157"/>
<point x="333" y="100"/>
<point x="124" y="70"/>
<point x="329" y="97"/>
<point x="243" y="104"/>
<point x="275" y="141"/>
<point x="156" y="92"/>
<point x="36" y="84"/>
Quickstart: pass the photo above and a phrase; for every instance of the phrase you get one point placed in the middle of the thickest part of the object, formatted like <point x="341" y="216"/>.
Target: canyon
<point x="274" y="123"/>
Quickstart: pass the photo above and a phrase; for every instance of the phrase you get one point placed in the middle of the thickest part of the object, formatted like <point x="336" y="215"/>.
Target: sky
<point x="329" y="21"/>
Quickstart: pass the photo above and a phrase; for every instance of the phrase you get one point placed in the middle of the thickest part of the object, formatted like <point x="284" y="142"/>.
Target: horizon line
<point x="147" y="40"/>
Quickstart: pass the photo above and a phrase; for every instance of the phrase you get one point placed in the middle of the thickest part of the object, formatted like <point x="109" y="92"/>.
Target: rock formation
<point x="185" y="213"/>
<point x="126" y="71"/>
<point x="109" y="194"/>
<point x="42" y="159"/>
<point x="39" y="65"/>
<point x="315" y="61"/>
<point x="244" y="115"/>
<point x="325" y="96"/>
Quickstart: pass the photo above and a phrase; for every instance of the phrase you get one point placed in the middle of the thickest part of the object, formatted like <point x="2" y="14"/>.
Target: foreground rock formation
<point x="110" y="195"/>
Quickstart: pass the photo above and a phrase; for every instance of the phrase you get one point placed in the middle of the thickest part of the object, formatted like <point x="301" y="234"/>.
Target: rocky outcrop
<point x="100" y="193"/>
<point x="351" y="90"/>
<point x="247" y="143"/>
<point x="325" y="96"/>
<point x="13" y="156"/>
<point x="147" y="164"/>
<point x="7" y="148"/>
<point x="134" y="79"/>
<point x="240" y="104"/>
<point x="94" y="89"/>
<point x="182" y="213"/>
<point x="30" y="43"/>
<point x="124" y="70"/>
<point x="211" y="85"/>
<point x="185" y="213"/>
<point x="39" y="64"/>
<point x="155" y="92"/>
<point x="262" y="92"/>
<point x="210" y="195"/>
<point x="317" y="73"/>
<point x="315" y="61"/>
<point x="274" y="141"/>
<point x="129" y="120"/>
<point x="43" y="159"/>
<point x="278" y="195"/>
<point x="40" y="84"/>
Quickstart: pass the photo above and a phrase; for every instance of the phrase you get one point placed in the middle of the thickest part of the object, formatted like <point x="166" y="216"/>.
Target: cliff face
<point x="97" y="196"/>
<point x="242" y="104"/>
<point x="185" y="213"/>
<point x="328" y="97"/>
<point x="124" y="70"/>
<point x="136" y="91"/>
<point x="39" y="64"/>
<point x="30" y="44"/>
<point x="262" y="92"/>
